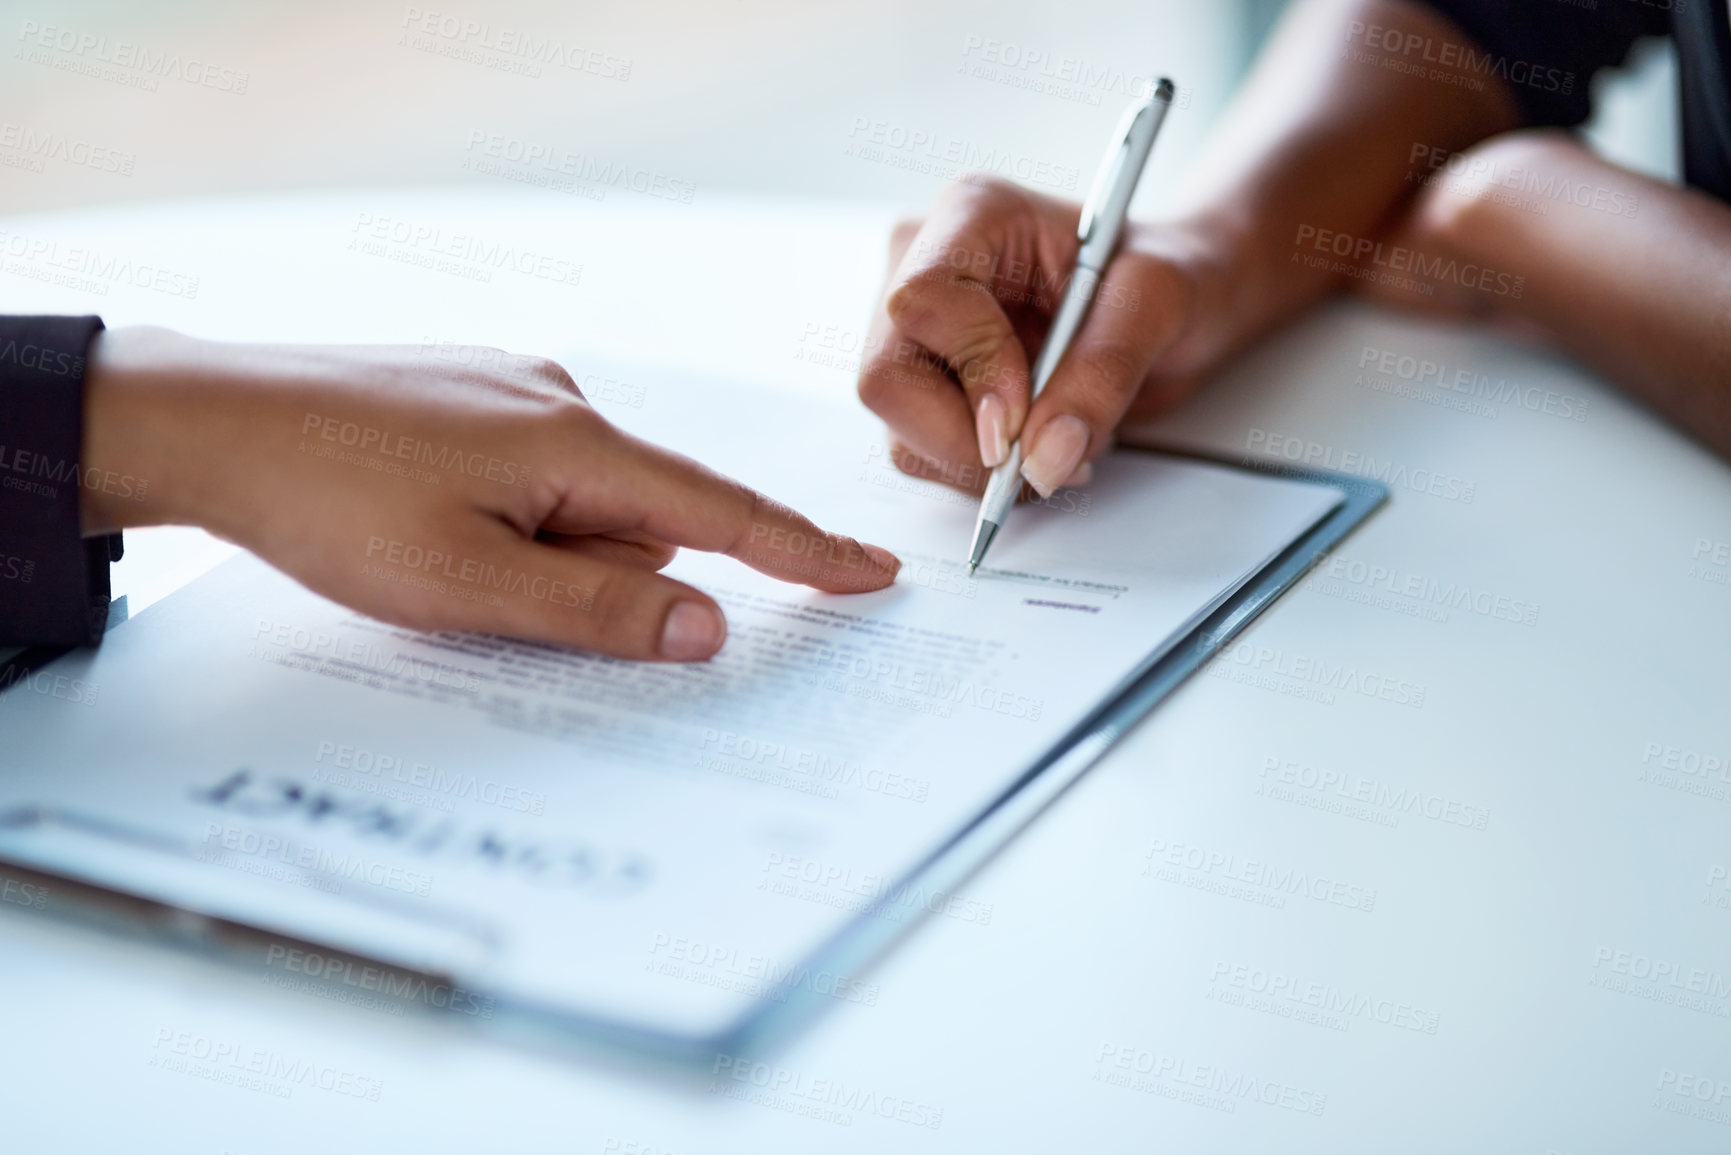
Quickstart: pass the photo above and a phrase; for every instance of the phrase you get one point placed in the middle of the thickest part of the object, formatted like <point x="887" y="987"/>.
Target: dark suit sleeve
<point x="1547" y="51"/>
<point x="53" y="581"/>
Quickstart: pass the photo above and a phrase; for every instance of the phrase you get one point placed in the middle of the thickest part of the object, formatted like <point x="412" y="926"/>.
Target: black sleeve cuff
<point x="53" y="581"/>
<point x="1546" y="51"/>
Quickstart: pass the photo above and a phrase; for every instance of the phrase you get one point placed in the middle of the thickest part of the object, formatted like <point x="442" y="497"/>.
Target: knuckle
<point x="881" y="389"/>
<point x="908" y="302"/>
<point x="548" y="370"/>
<point x="909" y="462"/>
<point x="987" y="189"/>
<point x="1114" y="368"/>
<point x="574" y="417"/>
<point x="977" y="343"/>
<point x="659" y="555"/>
<point x="874" y="388"/>
<point x="1135" y="276"/>
<point x="762" y="516"/>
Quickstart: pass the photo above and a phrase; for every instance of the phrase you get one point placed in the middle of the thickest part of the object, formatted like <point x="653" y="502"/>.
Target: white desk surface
<point x="1573" y="956"/>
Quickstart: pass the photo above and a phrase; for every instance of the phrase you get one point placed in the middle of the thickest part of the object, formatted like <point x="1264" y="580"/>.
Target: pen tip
<point x="1165" y="89"/>
<point x="983" y="535"/>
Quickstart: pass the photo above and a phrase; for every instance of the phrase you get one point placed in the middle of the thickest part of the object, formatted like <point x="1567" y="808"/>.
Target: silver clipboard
<point x="94" y="897"/>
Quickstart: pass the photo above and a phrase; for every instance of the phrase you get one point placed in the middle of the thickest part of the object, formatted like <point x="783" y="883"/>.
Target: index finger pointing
<point x="684" y="503"/>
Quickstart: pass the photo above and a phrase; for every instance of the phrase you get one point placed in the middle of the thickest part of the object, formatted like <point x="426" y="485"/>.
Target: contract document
<point x="649" y="850"/>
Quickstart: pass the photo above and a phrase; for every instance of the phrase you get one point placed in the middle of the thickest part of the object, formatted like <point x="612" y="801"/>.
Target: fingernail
<point x="884" y="558"/>
<point x="992" y="427"/>
<point x="1083" y="475"/>
<point x="1057" y="452"/>
<point x="692" y="631"/>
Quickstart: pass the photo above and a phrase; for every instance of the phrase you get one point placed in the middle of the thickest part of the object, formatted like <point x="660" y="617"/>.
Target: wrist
<point x="136" y="458"/>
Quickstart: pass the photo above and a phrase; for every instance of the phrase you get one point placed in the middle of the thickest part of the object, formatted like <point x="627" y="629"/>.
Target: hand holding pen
<point x="971" y="300"/>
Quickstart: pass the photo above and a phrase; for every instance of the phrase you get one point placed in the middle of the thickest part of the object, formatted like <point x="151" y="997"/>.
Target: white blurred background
<point x="710" y="98"/>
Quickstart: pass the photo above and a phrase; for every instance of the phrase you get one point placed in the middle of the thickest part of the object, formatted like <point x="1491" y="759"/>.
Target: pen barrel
<point x="1001" y="488"/>
<point x="1072" y="311"/>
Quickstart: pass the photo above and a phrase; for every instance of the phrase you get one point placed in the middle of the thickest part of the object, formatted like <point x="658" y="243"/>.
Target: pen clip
<point x="1107" y="176"/>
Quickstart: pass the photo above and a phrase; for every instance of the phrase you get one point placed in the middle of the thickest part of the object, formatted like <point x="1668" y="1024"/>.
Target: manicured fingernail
<point x="692" y="631"/>
<point x="992" y="425"/>
<point x="884" y="558"/>
<point x="1083" y="475"/>
<point x="1057" y="452"/>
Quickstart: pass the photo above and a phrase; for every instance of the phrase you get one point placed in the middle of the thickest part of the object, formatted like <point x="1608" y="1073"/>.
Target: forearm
<point x="1321" y="140"/>
<point x="1628" y="274"/>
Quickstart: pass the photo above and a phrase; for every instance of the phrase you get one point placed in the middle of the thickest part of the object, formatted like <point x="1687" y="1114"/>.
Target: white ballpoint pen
<point x="1102" y="220"/>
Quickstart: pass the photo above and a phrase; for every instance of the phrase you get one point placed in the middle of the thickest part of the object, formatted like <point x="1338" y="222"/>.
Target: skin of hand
<point x="1629" y="274"/>
<point x="1318" y="143"/>
<point x="1337" y="166"/>
<point x="435" y="497"/>
<point x="971" y="294"/>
